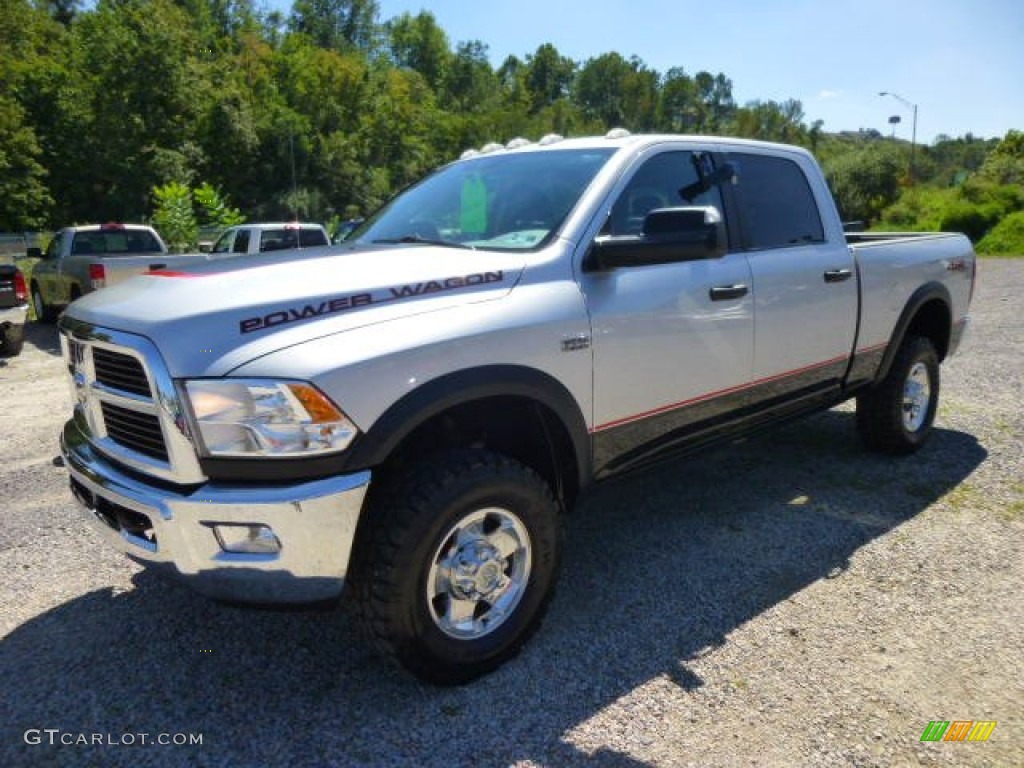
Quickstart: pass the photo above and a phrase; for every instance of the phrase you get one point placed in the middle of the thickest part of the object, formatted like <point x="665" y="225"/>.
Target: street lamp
<point x="913" y="135"/>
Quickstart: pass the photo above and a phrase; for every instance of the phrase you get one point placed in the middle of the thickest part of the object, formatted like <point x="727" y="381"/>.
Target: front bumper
<point x="174" y="528"/>
<point x="13" y="316"/>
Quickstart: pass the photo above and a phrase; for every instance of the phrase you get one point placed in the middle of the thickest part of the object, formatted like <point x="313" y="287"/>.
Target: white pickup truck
<point x="279" y="236"/>
<point x="408" y="415"/>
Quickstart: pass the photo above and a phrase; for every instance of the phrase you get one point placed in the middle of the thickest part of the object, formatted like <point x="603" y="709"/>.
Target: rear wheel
<point x="896" y="416"/>
<point x="456" y="564"/>
<point x="44" y="312"/>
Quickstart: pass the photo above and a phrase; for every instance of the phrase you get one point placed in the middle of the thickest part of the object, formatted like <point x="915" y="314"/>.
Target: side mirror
<point x="669" y="235"/>
<point x="34" y="252"/>
<point x="206" y="247"/>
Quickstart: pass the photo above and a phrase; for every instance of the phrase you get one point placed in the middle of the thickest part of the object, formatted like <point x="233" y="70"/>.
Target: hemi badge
<point x="576" y="343"/>
<point x="956" y="265"/>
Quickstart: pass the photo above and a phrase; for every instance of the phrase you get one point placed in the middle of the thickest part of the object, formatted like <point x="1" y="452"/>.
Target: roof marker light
<point x="494" y="146"/>
<point x="469" y="153"/>
<point x="517" y="142"/>
<point x="551" y="138"/>
<point x="617" y="133"/>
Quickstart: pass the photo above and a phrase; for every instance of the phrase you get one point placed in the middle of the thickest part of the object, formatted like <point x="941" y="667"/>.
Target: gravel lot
<point x="788" y="601"/>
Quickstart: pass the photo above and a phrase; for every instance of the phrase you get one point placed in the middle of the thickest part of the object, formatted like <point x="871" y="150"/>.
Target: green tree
<point x="470" y="84"/>
<point x="617" y="92"/>
<point x="174" y="218"/>
<point x="865" y="180"/>
<point x="1005" y="164"/>
<point x="24" y="196"/>
<point x="772" y="121"/>
<point x="419" y="43"/>
<point x="549" y="76"/>
<point x="139" y="90"/>
<point x="337" y="24"/>
<point x="215" y="207"/>
<point x="28" y="80"/>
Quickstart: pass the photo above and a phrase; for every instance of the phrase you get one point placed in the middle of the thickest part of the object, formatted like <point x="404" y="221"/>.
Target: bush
<point x="919" y="209"/>
<point x="973" y="220"/>
<point x="1006" y="238"/>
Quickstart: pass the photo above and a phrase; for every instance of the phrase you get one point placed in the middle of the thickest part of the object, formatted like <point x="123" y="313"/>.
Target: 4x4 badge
<point x="575" y="343"/>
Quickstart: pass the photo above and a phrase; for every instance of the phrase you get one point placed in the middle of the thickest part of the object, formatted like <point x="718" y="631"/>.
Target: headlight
<point x="261" y="417"/>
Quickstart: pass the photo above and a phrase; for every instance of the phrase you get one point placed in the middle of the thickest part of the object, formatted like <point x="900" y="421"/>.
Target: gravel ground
<point x="790" y="600"/>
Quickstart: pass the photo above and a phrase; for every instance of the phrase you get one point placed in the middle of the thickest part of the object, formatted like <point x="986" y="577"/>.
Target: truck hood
<point x="210" y="318"/>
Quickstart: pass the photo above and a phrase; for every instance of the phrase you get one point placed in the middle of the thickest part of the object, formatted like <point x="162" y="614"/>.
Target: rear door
<point x="672" y="343"/>
<point x="804" y="278"/>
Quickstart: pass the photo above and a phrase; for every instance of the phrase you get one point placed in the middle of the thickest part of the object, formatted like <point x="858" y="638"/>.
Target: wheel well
<point x="519" y="427"/>
<point x="933" y="322"/>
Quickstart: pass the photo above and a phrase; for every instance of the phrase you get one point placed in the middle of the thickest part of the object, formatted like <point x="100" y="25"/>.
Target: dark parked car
<point x="13" y="309"/>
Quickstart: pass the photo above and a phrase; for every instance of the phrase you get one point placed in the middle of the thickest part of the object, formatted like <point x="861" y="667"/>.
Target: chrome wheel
<point x="479" y="573"/>
<point x="917" y="393"/>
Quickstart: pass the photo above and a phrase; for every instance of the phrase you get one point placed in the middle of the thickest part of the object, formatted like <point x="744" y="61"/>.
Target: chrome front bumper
<point x="158" y="525"/>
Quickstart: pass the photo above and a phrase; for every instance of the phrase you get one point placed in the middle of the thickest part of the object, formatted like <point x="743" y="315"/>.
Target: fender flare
<point x="926" y="293"/>
<point x="445" y="392"/>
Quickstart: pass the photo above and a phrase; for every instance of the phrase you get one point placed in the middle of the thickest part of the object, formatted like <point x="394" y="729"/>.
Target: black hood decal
<point x="351" y="301"/>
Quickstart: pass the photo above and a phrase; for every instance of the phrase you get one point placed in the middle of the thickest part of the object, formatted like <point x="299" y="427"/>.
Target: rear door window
<point x="776" y="205"/>
<point x="311" y="238"/>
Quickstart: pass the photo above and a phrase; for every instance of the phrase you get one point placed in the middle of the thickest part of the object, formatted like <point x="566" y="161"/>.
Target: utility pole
<point x="913" y="134"/>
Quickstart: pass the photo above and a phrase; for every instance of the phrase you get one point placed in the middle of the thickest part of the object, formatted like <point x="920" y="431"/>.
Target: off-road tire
<point x="884" y="410"/>
<point x="409" y="517"/>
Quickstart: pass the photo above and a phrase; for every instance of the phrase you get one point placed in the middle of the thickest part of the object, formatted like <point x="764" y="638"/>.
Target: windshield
<point x="514" y="201"/>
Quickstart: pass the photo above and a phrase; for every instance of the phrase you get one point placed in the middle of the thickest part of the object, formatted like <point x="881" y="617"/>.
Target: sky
<point x="960" y="61"/>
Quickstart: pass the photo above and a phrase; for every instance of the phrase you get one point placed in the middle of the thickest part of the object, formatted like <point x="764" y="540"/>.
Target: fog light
<point x="247" y="539"/>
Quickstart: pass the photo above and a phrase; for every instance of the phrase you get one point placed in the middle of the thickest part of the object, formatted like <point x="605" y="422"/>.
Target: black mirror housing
<point x="669" y="235"/>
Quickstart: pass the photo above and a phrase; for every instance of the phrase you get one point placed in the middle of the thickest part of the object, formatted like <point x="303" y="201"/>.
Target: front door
<point x="672" y="343"/>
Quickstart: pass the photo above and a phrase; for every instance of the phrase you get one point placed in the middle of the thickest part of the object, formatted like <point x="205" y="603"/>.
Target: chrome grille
<point x="139" y="431"/>
<point x="118" y="371"/>
<point x="126" y="404"/>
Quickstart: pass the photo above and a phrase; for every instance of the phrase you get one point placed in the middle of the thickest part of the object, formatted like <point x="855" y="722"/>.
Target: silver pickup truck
<point x="409" y="414"/>
<point x="83" y="259"/>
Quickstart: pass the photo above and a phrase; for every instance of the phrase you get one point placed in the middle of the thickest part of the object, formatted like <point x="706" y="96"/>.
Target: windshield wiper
<point x="420" y="240"/>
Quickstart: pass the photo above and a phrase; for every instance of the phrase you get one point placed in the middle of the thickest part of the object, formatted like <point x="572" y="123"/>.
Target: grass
<point x="1013" y="511"/>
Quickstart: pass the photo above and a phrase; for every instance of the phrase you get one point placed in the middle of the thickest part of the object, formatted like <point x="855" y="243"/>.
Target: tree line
<point x="328" y="110"/>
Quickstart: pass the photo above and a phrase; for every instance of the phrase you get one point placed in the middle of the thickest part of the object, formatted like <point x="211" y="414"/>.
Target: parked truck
<point x="247" y="239"/>
<point x="13" y="308"/>
<point x="408" y="416"/>
<point x="83" y="259"/>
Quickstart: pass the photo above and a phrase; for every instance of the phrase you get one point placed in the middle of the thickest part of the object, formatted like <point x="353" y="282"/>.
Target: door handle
<point x="156" y="267"/>
<point x="838" y="275"/>
<point x="726" y="292"/>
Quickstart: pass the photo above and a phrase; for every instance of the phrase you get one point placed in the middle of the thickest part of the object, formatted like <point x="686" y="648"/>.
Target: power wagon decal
<point x="365" y="299"/>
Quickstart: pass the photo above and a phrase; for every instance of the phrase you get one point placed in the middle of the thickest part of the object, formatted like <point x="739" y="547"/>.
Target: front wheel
<point x="456" y="564"/>
<point x="896" y="415"/>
